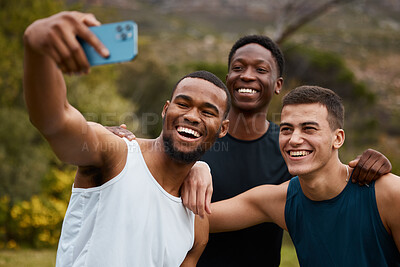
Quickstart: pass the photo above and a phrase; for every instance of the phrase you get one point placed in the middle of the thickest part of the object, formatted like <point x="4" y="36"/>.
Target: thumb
<point x="353" y="163"/>
<point x="90" y="20"/>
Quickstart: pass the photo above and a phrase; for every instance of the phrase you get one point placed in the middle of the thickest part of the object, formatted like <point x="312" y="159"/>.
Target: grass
<point x="28" y="258"/>
<point x="288" y="252"/>
<point x="47" y="257"/>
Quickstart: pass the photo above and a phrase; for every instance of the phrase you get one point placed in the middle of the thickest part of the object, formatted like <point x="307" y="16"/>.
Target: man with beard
<point x="125" y="208"/>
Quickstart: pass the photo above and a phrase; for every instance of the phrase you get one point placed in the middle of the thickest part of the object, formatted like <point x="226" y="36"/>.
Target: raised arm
<point x="265" y="203"/>
<point x="50" y="48"/>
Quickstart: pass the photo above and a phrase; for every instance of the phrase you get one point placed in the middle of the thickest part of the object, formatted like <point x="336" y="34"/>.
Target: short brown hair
<point x="309" y="94"/>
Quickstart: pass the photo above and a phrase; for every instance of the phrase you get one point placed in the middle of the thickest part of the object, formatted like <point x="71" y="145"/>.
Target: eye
<point x="237" y="68"/>
<point x="285" y="130"/>
<point x="262" y="70"/>
<point x="309" y="129"/>
<point x="182" y="105"/>
<point x="209" y="113"/>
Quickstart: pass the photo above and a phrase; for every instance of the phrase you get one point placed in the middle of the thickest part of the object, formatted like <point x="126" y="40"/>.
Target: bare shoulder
<point x="388" y="185"/>
<point x="112" y="149"/>
<point x="387" y="191"/>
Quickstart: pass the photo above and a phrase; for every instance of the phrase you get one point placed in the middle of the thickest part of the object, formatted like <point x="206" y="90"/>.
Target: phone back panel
<point x="120" y="38"/>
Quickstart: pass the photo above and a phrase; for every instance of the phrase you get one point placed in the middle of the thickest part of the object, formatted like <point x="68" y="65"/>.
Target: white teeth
<point x="299" y="153"/>
<point x="188" y="131"/>
<point x="247" y="91"/>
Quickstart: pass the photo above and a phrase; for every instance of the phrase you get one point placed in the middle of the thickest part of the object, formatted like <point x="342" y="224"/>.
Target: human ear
<point x="339" y="136"/>
<point x="165" y="108"/>
<point x="278" y="85"/>
<point x="224" y="128"/>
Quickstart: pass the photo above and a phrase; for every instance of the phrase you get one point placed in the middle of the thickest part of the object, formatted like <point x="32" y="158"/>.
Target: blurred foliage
<point x="15" y="16"/>
<point x="147" y="82"/>
<point x="305" y="65"/>
<point x="31" y="203"/>
<point x="36" y="222"/>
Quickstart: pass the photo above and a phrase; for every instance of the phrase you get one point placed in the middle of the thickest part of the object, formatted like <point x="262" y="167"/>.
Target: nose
<point x="296" y="139"/>
<point x="247" y="74"/>
<point x="192" y="116"/>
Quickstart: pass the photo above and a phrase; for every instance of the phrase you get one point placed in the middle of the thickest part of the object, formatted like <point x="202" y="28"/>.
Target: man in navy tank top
<point x="332" y="222"/>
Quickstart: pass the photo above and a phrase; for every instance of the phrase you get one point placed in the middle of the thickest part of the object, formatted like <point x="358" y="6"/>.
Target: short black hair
<point x="264" y="41"/>
<point x="208" y="76"/>
<point x="310" y="94"/>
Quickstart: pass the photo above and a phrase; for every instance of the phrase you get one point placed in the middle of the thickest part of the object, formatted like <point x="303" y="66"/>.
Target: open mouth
<point x="247" y="91"/>
<point x="188" y="133"/>
<point x="299" y="154"/>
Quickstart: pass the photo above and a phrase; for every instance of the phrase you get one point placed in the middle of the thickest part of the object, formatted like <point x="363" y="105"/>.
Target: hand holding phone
<point x="120" y="38"/>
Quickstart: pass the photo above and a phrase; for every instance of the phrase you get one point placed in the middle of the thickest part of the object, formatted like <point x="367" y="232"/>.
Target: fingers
<point x="90" y="20"/>
<point x="208" y="200"/>
<point x="123" y="126"/>
<point x="189" y="197"/>
<point x="354" y="162"/>
<point x="64" y="48"/>
<point x="84" y="33"/>
<point x="200" y="201"/>
<point x="75" y="58"/>
<point x="371" y="166"/>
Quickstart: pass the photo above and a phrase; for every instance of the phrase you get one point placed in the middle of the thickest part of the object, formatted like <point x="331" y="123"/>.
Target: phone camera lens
<point x="123" y="36"/>
<point x="119" y="28"/>
<point x="128" y="27"/>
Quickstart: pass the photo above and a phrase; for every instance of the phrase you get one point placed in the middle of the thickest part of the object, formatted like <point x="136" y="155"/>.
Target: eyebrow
<point x="206" y="104"/>
<point x="258" y="61"/>
<point x="302" y="124"/>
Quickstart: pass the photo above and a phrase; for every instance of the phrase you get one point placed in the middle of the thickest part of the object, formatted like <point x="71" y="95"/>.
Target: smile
<point x="247" y="91"/>
<point x="187" y="132"/>
<point x="301" y="153"/>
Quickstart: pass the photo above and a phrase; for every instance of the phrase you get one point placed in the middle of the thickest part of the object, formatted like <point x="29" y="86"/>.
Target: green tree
<point x="25" y="159"/>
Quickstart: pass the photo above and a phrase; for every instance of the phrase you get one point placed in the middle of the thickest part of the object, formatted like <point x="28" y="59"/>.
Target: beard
<point x="184" y="157"/>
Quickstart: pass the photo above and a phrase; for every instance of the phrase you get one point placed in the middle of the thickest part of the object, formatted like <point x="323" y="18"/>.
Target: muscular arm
<point x="51" y="46"/>
<point x="387" y="190"/>
<point x="200" y="242"/>
<point x="265" y="203"/>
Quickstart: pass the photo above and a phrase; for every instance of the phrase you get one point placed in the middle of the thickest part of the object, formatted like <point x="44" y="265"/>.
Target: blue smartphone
<point x="120" y="38"/>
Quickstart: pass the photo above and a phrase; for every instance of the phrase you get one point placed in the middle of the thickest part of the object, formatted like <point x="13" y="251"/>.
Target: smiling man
<point x="125" y="208"/>
<point x="331" y="221"/>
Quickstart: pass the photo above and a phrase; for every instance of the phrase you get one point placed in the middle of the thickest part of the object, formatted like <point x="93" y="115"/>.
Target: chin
<point x="185" y="155"/>
<point x="298" y="170"/>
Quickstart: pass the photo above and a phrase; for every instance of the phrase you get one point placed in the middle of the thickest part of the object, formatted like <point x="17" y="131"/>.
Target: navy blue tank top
<point x="344" y="231"/>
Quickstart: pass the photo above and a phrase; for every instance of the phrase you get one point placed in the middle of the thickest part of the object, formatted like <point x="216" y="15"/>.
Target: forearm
<point x="234" y="214"/>
<point x="44" y="91"/>
<point x="265" y="203"/>
<point x="62" y="125"/>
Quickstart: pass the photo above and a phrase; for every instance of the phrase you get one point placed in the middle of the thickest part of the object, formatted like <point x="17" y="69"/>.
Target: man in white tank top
<point x="125" y="207"/>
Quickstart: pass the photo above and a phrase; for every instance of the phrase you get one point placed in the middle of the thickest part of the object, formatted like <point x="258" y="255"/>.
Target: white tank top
<point x="128" y="221"/>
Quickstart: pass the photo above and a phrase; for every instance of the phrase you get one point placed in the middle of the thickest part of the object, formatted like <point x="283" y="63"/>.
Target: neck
<point x="247" y="126"/>
<point x="326" y="183"/>
<point x="169" y="173"/>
